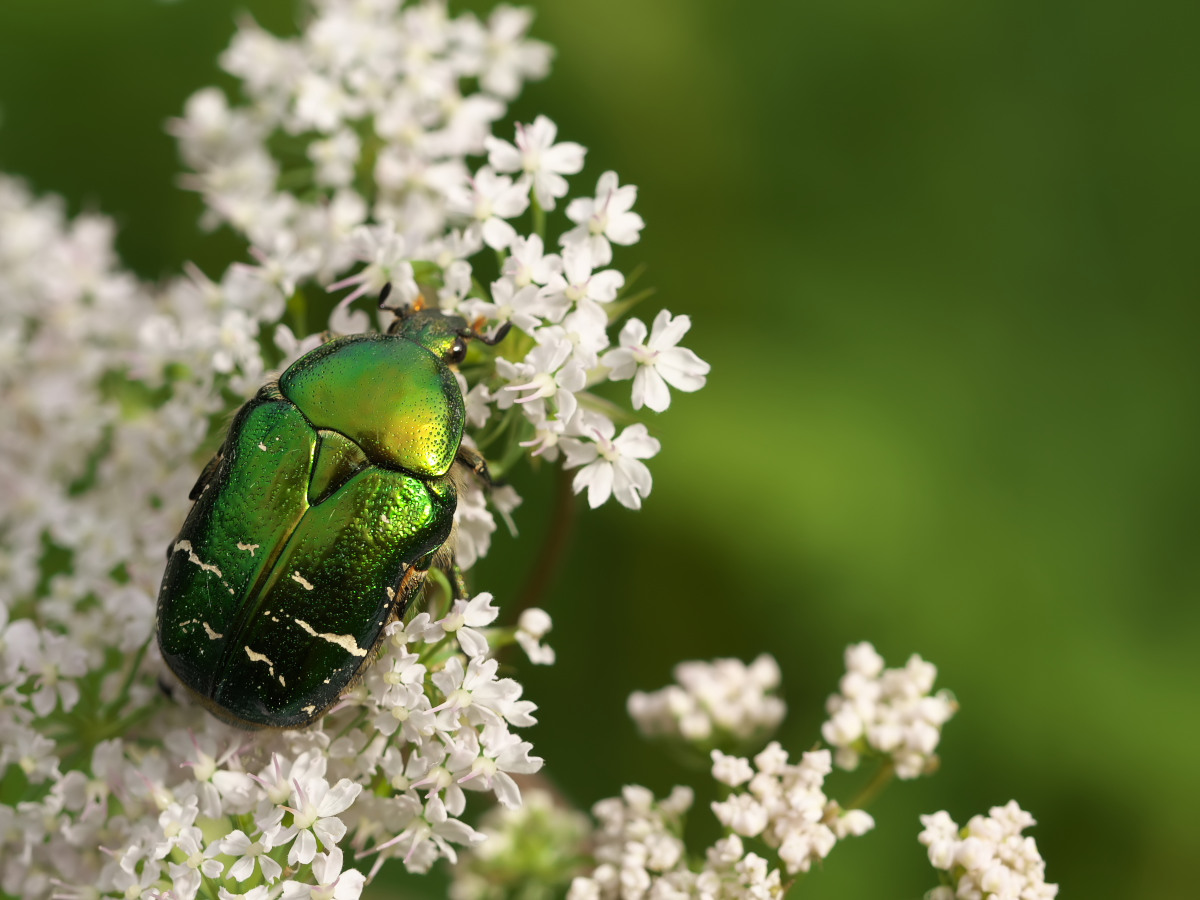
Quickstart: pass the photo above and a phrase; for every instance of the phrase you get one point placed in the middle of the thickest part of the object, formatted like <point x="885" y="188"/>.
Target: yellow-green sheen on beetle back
<point x="388" y="394"/>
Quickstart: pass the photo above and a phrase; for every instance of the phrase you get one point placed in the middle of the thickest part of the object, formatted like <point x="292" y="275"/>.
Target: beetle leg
<point x="206" y="475"/>
<point x="398" y="311"/>
<point x="166" y="687"/>
<point x="457" y="580"/>
<point x="474" y="461"/>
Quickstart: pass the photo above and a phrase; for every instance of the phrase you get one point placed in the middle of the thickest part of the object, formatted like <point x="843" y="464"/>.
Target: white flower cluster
<point x="713" y="703"/>
<point x="245" y="811"/>
<point x="785" y="805"/>
<point x="369" y="102"/>
<point x="92" y="489"/>
<point x="639" y="850"/>
<point x="640" y="854"/>
<point x="530" y="851"/>
<point x="88" y="491"/>
<point x="889" y="712"/>
<point x="989" y="859"/>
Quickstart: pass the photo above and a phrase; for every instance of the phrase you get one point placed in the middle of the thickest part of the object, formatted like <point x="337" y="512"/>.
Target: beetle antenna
<point x="501" y="334"/>
<point x="384" y="294"/>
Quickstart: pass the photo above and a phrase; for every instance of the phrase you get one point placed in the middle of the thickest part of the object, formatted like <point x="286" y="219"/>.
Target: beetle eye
<point x="458" y="352"/>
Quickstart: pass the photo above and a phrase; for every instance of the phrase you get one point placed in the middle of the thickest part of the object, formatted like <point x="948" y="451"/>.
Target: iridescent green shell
<point x="315" y="528"/>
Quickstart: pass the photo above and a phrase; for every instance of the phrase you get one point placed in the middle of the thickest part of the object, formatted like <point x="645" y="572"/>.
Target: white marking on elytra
<point x="302" y="581"/>
<point x="384" y="519"/>
<point x="250" y="547"/>
<point x="345" y="641"/>
<point x="186" y="547"/>
<point x="261" y="657"/>
<point x="262" y="446"/>
<point x="309" y="709"/>
<point x="212" y="635"/>
<point x="391" y="595"/>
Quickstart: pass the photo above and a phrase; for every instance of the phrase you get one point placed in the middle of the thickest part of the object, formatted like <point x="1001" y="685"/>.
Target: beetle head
<point x="443" y="334"/>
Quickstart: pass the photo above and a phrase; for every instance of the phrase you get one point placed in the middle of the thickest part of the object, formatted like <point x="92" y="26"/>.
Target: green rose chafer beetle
<point x="315" y="523"/>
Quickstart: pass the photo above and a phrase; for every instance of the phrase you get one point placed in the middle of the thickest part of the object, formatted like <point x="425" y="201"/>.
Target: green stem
<point x="558" y="538"/>
<point x="351" y="725"/>
<point x="122" y="726"/>
<point x="123" y="694"/>
<point x="882" y="777"/>
<point x="539" y="216"/>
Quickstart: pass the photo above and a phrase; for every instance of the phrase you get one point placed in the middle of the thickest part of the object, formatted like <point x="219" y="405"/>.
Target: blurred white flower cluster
<point x="778" y="820"/>
<point x="639" y="852"/>
<point x="725" y="702"/>
<point x="989" y="859"/>
<point x="888" y="712"/>
<point x="530" y="852"/>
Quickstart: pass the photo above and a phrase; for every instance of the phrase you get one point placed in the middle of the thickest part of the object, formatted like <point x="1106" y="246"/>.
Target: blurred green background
<point x="942" y="259"/>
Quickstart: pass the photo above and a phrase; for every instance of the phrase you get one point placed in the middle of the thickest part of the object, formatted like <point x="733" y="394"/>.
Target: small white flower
<point x="604" y="219"/>
<point x="509" y="58"/>
<point x="608" y="466"/>
<point x="315" y="812"/>
<point x="332" y="882"/>
<point x="186" y="876"/>
<point x="250" y="852"/>
<point x="474" y="526"/>
<point x="476" y="693"/>
<point x="464" y="618"/>
<point x="31" y="751"/>
<point x="322" y="104"/>
<point x="478" y="401"/>
<point x="657" y="362"/>
<point x="529" y="264"/>
<point x="262" y="892"/>
<point x="499" y="753"/>
<point x="520" y="305"/>
<point x="549" y="372"/>
<point x="335" y="158"/>
<point x="586" y="328"/>
<point x="578" y="282"/>
<point x="492" y="199"/>
<point x="385" y="253"/>
<point x="538" y="157"/>
<point x="532" y="626"/>
<point x="742" y="813"/>
<point x="59" y="661"/>
<point x="456" y="284"/>
<point x="731" y="770"/>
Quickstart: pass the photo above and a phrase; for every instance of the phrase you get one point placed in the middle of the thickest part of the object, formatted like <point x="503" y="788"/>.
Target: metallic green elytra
<point x="316" y="522"/>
